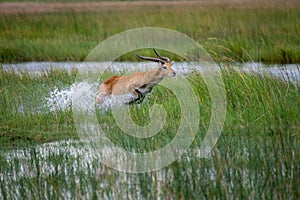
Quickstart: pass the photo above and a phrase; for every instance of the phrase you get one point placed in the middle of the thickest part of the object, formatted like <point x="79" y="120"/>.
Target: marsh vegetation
<point x="256" y="157"/>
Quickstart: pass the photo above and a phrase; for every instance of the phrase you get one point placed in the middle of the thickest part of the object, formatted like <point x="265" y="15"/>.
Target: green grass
<point x="24" y="117"/>
<point x="267" y="34"/>
<point x="256" y="106"/>
<point x="256" y="156"/>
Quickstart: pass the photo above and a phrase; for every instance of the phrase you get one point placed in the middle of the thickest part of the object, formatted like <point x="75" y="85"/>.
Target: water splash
<point x="61" y="99"/>
<point x="115" y="101"/>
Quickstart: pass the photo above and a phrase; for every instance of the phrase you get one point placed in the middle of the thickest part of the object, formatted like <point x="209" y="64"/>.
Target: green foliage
<point x="227" y="33"/>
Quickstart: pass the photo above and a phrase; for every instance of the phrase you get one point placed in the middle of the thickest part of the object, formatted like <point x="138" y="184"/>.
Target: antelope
<point x="138" y="84"/>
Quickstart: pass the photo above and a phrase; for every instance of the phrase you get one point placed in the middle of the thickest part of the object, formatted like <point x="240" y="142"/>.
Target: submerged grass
<point x="238" y="168"/>
<point x="229" y="32"/>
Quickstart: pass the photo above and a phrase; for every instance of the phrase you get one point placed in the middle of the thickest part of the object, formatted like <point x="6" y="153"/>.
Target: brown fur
<point x="143" y="82"/>
<point x="109" y="83"/>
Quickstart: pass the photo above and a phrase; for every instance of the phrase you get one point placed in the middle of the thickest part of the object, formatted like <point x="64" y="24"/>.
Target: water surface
<point x="288" y="72"/>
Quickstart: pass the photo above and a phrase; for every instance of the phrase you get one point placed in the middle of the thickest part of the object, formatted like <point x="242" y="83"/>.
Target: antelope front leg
<point x="139" y="97"/>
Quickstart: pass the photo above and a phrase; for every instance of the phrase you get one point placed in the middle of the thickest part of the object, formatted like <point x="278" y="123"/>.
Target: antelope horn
<point x="166" y="59"/>
<point x="149" y="58"/>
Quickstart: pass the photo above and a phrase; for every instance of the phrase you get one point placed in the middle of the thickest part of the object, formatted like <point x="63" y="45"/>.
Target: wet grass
<point x="239" y="167"/>
<point x="257" y="155"/>
<point x="25" y="117"/>
<point x="228" y="32"/>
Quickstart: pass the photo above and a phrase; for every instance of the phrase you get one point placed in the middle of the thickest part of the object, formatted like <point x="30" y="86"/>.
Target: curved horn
<point x="149" y="58"/>
<point x="161" y="57"/>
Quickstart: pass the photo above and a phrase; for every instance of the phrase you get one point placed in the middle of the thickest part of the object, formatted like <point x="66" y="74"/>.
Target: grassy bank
<point x="257" y="155"/>
<point x="228" y="31"/>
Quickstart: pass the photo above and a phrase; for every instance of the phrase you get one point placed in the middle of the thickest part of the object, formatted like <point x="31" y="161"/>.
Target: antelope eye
<point x="164" y="67"/>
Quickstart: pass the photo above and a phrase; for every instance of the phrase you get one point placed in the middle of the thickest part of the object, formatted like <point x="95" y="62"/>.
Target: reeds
<point x="257" y="155"/>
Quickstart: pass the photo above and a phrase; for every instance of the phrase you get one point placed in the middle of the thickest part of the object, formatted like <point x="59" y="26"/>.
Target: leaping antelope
<point x="138" y="84"/>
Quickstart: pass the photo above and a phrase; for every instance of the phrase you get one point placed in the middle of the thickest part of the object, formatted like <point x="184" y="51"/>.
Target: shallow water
<point x="288" y="72"/>
<point x="74" y="162"/>
<point x="84" y="153"/>
<point x="74" y="169"/>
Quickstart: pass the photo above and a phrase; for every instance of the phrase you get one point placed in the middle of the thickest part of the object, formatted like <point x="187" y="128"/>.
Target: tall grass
<point x="24" y="116"/>
<point x="257" y="104"/>
<point x="257" y="155"/>
<point x="268" y="34"/>
<point x="239" y="167"/>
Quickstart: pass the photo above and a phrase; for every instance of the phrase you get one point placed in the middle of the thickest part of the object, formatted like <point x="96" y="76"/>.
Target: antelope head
<point x="165" y="64"/>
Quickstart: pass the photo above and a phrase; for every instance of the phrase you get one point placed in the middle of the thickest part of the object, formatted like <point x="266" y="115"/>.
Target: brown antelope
<point x="138" y="84"/>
